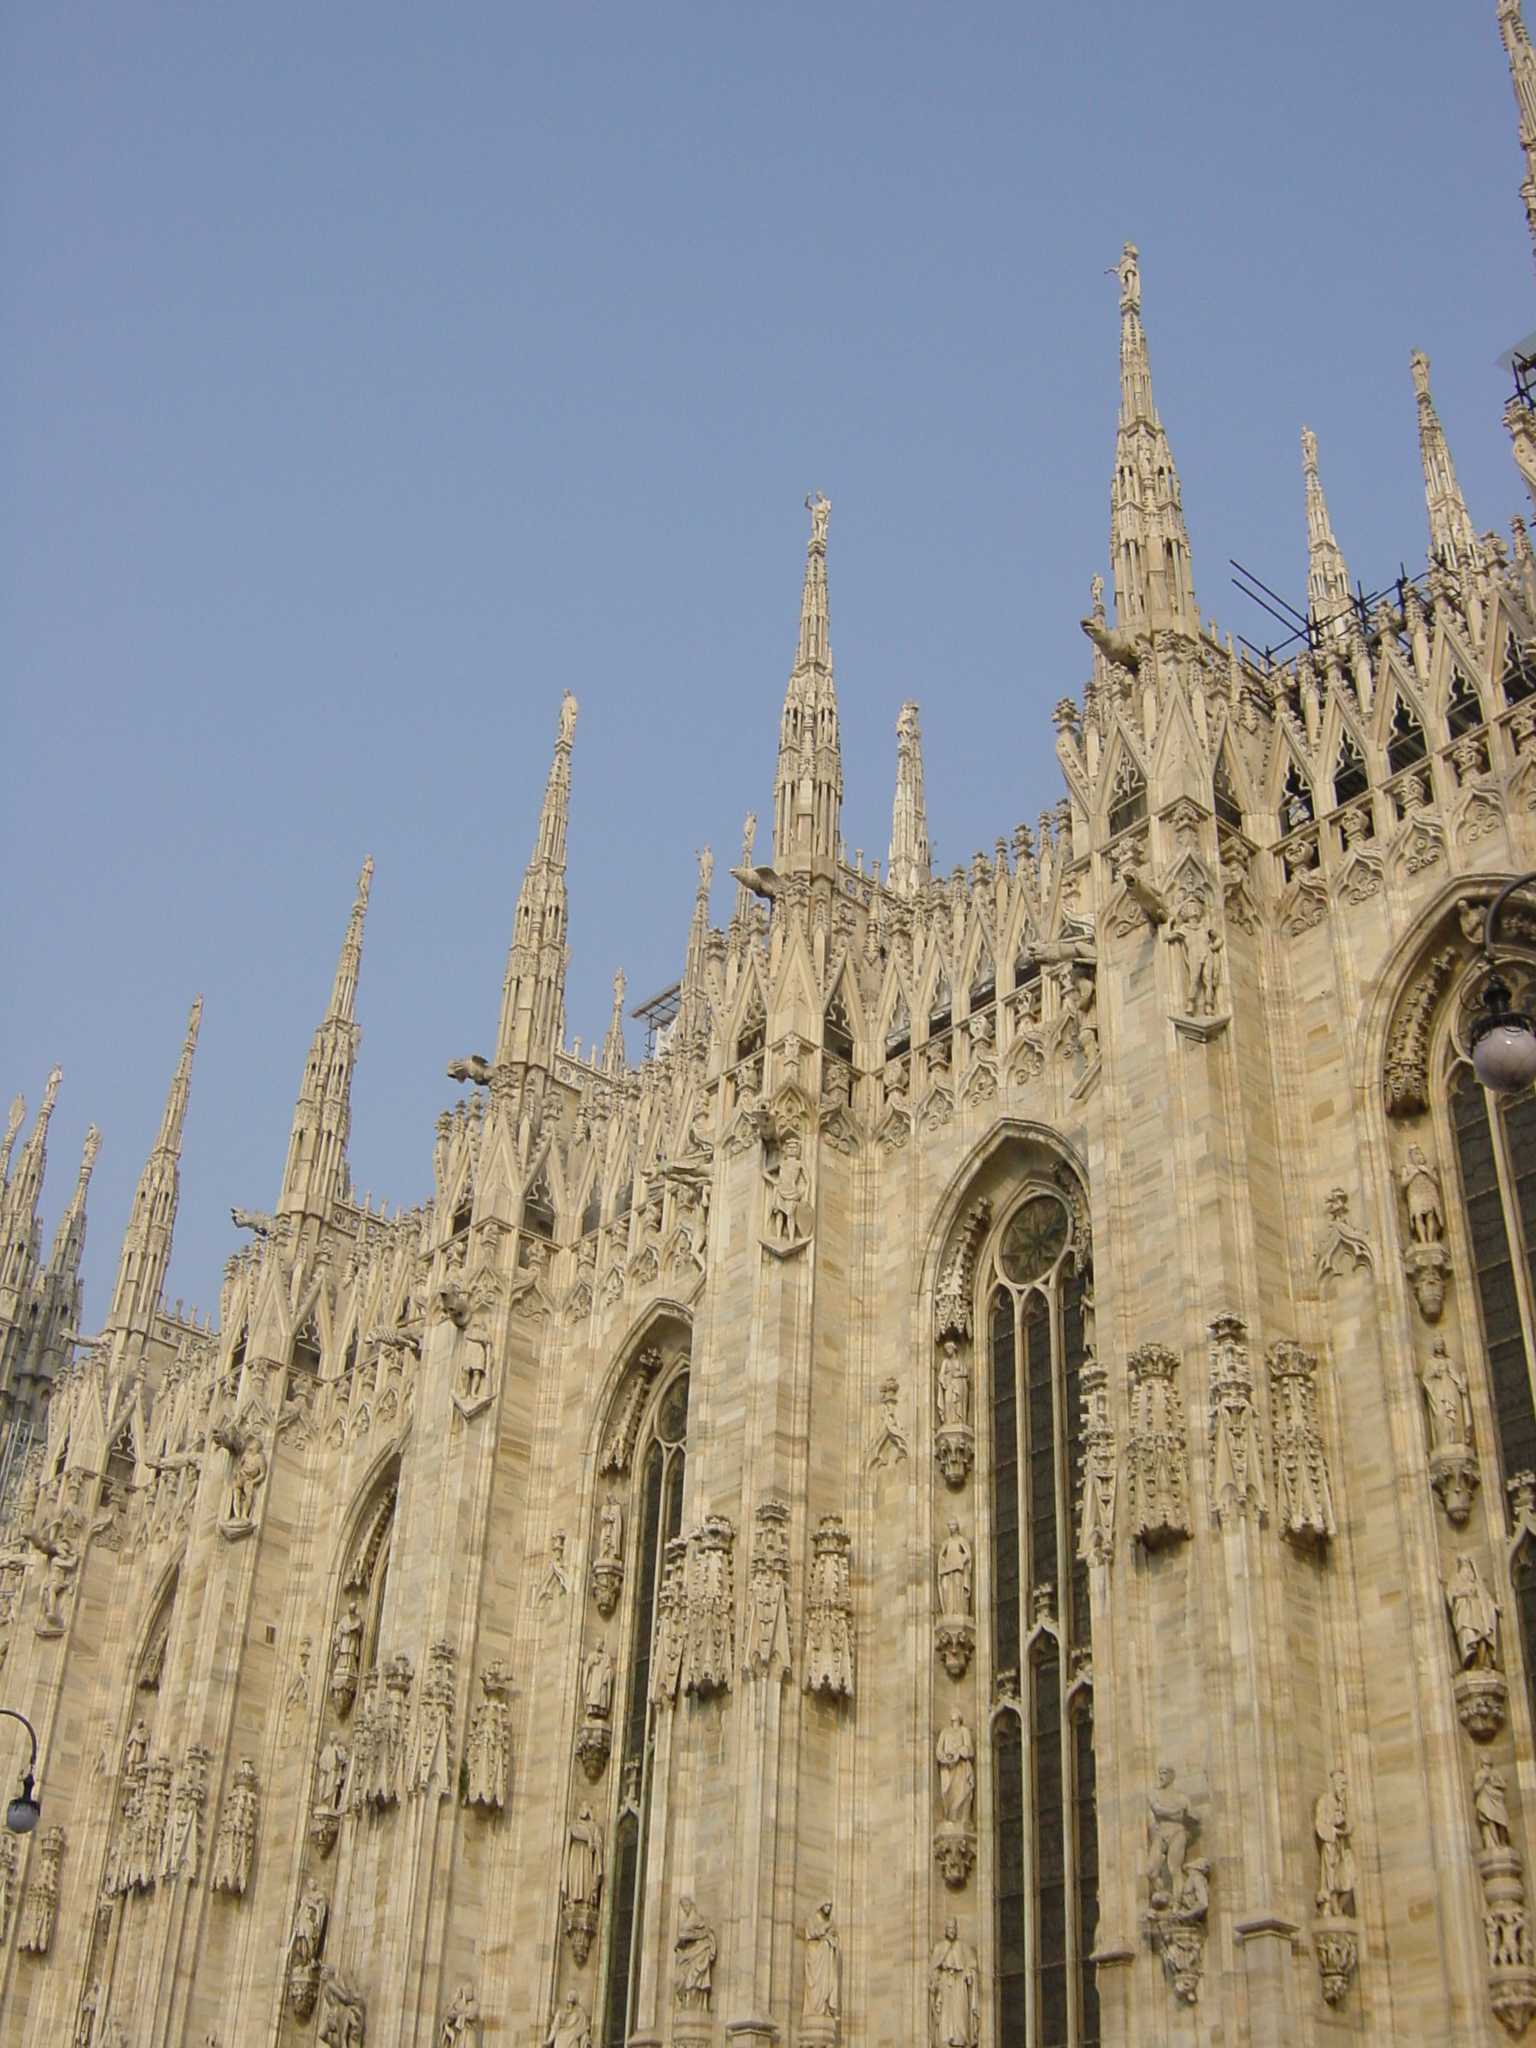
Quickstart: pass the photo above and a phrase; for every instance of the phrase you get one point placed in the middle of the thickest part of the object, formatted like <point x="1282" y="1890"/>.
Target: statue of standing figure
<point x="1474" y="1616"/>
<point x="1420" y="1184"/>
<point x="954" y="1574"/>
<point x="823" y="1966"/>
<point x="954" y="1992"/>
<point x="1336" y="1868"/>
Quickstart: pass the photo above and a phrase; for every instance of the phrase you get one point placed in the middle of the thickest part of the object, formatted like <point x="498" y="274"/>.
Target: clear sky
<point x="369" y="374"/>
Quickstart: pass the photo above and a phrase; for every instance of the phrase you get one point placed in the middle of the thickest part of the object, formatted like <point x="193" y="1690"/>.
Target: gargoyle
<point x="473" y="1069"/>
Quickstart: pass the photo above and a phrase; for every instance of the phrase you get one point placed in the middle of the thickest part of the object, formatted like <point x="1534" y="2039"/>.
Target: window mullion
<point x="1520" y="1260"/>
<point x="1063" y="1657"/>
<point x="1026" y="1715"/>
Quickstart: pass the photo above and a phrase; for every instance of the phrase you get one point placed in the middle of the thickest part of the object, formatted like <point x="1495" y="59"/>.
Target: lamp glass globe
<point x="1504" y="1058"/>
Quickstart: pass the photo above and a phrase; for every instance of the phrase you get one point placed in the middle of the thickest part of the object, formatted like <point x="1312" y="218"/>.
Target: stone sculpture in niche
<point x="1453" y="1469"/>
<point x="693" y="1975"/>
<point x="61" y="1546"/>
<point x="822" y="2001"/>
<point x="343" y="2012"/>
<point x="581" y="1889"/>
<point x="1425" y="1258"/>
<point x="1178" y="1888"/>
<point x="955" y="1440"/>
<point x="306" y="1945"/>
<point x="1506" y="1918"/>
<point x="765" y="1631"/>
<point x="595" y="1738"/>
<point x="365" y="1735"/>
<point x="671" y="1624"/>
<point x="890" y="1444"/>
<point x="608" y="1565"/>
<point x="829" y="1613"/>
<point x="183" y="1836"/>
<point x="570" y="2027"/>
<point x="234" y="1849"/>
<point x="791" y="1219"/>
<point x="34" y="1929"/>
<point x="709" y="1615"/>
<point x="954" y="1842"/>
<point x="431" y="1765"/>
<point x="954" y="1632"/>
<point x="1096" y="1538"/>
<point x="1196" y="933"/>
<point x="1156" y="1451"/>
<point x="461" y="2022"/>
<point x="1337" y="1937"/>
<point x="325" y="1813"/>
<point x="1481" y="1693"/>
<point x="387" y="1777"/>
<point x="1303" y="1496"/>
<point x="487" y="1772"/>
<point x="248" y="1470"/>
<point x="346" y="1659"/>
<point x="954" y="1992"/>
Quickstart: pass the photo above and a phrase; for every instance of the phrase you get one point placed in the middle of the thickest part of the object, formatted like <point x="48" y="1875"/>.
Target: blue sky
<point x="367" y="375"/>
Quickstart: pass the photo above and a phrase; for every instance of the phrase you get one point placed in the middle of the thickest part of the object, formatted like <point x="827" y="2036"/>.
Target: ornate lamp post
<point x="1503" y="1041"/>
<point x="23" y="1814"/>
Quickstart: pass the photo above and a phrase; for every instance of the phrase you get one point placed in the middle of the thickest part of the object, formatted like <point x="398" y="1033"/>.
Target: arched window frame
<point x="1053" y="1648"/>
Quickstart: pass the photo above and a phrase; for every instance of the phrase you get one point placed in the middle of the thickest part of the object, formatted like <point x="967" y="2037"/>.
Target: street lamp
<point x="1503" y="1041"/>
<point x="23" y="1814"/>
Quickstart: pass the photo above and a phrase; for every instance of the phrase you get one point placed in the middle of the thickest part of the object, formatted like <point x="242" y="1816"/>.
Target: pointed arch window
<point x="1496" y="1156"/>
<point x="539" y="1210"/>
<point x="1463" y="709"/>
<point x="1349" y="777"/>
<point x="1045" y="1820"/>
<point x="1519" y="670"/>
<point x="1127" y="797"/>
<point x="656" y="1516"/>
<point x="1229" y="808"/>
<point x="898" y="1040"/>
<point x="1295" y="800"/>
<point x="837" y="1029"/>
<point x="1405" y="738"/>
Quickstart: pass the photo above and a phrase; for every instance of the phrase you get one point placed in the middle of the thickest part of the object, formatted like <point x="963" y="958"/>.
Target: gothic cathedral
<point x="983" y="1496"/>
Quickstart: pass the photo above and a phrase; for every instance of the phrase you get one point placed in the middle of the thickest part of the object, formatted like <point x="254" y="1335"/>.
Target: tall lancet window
<point x="1497" y="1158"/>
<point x="656" y="1515"/>
<point x="1046" y="1883"/>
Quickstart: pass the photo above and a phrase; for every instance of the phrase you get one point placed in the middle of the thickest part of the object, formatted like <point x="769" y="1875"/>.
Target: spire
<point x="533" y="993"/>
<point x="1328" y="600"/>
<point x="20" y="1231"/>
<point x="808" y="789"/>
<point x="1522" y="71"/>
<point x="693" y="1004"/>
<point x="315" y="1177"/>
<point x="13" y="1124"/>
<point x="1154" y="584"/>
<point x="344" y="993"/>
<point x="1451" y="538"/>
<point x="613" y="1045"/>
<point x="146" y="1251"/>
<point x="69" y="1238"/>
<point x="909" y="867"/>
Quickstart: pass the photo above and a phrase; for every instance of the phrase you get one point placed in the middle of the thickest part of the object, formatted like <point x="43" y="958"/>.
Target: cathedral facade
<point x="984" y="1495"/>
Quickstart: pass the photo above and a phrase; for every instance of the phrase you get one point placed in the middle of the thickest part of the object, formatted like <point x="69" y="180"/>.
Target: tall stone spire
<point x="1522" y="70"/>
<point x="910" y="865"/>
<point x="146" y="1252"/>
<point x="693" y="1005"/>
<point x="1451" y="537"/>
<point x="1328" y="601"/>
<point x="533" y="994"/>
<point x="20" y="1230"/>
<point x="59" y="1305"/>
<point x="808" y="789"/>
<point x="315" y="1177"/>
<point x="612" y="1061"/>
<point x="1154" y="583"/>
<point x="13" y="1124"/>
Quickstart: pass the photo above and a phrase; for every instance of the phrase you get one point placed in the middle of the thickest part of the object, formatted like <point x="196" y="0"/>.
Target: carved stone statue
<point x="570" y="2027"/>
<point x="1453" y="1468"/>
<point x="1170" y="1825"/>
<point x="330" y="1779"/>
<point x="1336" y="1866"/>
<point x="1156" y="1454"/>
<point x="955" y="1753"/>
<point x="581" y="1887"/>
<point x="765" y="1632"/>
<point x="693" y="1960"/>
<point x="34" y="1929"/>
<point x="461" y="2022"/>
<point x="710" y="1615"/>
<point x="1488" y="1803"/>
<point x="306" y="1944"/>
<point x="1303" y="1496"/>
<point x="346" y="1656"/>
<point x="1474" y="1616"/>
<point x="823" y="1993"/>
<point x="85" y="2020"/>
<point x="608" y="1565"/>
<point x="789" y="1209"/>
<point x="597" y="1684"/>
<point x="954" y="1992"/>
<point x="343" y="2013"/>
<point x="1197" y="934"/>
<point x="1420" y="1183"/>
<point x="1178" y="1888"/>
<point x="954" y="1388"/>
<point x="954" y="1573"/>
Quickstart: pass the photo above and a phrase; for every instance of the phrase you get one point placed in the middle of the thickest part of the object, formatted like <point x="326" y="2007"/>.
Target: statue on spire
<point x="820" y="509"/>
<point x="1128" y="270"/>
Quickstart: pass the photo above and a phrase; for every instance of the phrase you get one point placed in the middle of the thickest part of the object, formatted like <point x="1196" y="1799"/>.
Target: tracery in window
<point x="1046" y="1871"/>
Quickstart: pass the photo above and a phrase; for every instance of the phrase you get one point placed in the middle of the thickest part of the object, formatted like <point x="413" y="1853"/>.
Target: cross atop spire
<point x="1328" y="603"/>
<point x="1154" y="586"/>
<point x="910" y="866"/>
<point x="1452" y="540"/>
<point x="532" y="1024"/>
<point x="808" y="789"/>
